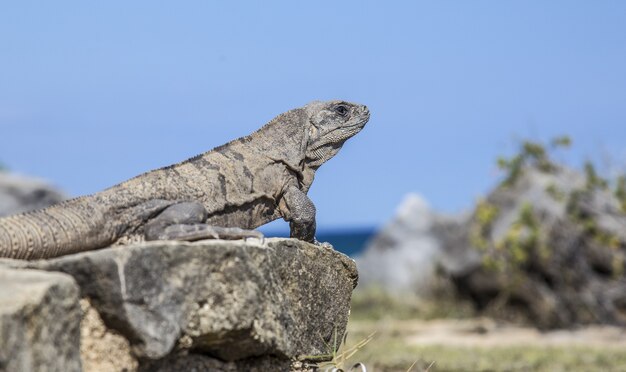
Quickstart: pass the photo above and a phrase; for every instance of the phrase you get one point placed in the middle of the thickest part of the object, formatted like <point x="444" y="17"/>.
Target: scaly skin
<point x="243" y="184"/>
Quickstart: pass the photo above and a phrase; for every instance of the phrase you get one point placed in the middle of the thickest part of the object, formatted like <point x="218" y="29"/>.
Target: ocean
<point x="348" y="241"/>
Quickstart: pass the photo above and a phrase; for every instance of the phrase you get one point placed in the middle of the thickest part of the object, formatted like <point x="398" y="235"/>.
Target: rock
<point x="404" y="256"/>
<point x="101" y="348"/>
<point x="39" y="321"/>
<point x="553" y="251"/>
<point x="20" y="194"/>
<point x="196" y="362"/>
<point x="547" y="249"/>
<point x="232" y="301"/>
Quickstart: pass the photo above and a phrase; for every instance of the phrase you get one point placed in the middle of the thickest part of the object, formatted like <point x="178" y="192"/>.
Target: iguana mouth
<point x="366" y="113"/>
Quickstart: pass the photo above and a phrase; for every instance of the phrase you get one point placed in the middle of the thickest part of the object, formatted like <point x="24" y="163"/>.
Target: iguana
<point x="223" y="193"/>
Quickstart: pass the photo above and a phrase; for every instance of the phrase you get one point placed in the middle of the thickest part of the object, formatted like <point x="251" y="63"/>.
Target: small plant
<point x="524" y="235"/>
<point x="620" y="191"/>
<point x="532" y="154"/>
<point x="514" y="168"/>
<point x="536" y="153"/>
<point x="561" y="142"/>
<point x="486" y="213"/>
<point x="339" y="359"/>
<point x="594" y="181"/>
<point x="556" y="193"/>
<point x="523" y="239"/>
<point x="361" y="367"/>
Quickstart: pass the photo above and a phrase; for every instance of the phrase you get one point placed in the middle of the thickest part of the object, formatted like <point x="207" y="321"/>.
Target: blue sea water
<point x="348" y="241"/>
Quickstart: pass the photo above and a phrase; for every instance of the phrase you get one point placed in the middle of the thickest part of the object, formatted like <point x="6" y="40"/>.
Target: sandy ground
<point x="488" y="333"/>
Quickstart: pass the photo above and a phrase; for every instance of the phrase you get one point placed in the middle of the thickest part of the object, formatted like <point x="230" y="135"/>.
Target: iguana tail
<point x="69" y="227"/>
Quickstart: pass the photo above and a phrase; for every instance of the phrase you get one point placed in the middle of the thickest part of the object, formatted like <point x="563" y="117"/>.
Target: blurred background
<point x="489" y="120"/>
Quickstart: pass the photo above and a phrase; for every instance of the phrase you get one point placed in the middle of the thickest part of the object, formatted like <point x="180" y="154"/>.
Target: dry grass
<point x="408" y="338"/>
<point x="392" y="349"/>
<point x="375" y="304"/>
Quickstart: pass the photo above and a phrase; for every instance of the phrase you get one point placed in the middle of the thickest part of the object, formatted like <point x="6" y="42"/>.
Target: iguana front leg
<point x="299" y="211"/>
<point x="185" y="221"/>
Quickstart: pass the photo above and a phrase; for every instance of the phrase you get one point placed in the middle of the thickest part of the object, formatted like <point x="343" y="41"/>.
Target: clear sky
<point x="92" y="93"/>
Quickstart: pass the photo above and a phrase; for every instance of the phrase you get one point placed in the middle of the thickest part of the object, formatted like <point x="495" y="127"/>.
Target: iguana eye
<point x="341" y="110"/>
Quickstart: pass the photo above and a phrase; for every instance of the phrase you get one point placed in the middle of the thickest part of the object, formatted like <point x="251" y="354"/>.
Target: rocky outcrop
<point x="227" y="304"/>
<point x="20" y="194"/>
<point x="553" y="246"/>
<point x="39" y="321"/>
<point x="547" y="247"/>
<point x="405" y="254"/>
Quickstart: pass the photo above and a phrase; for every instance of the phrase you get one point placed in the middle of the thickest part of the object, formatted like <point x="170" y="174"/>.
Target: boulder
<point x="21" y="194"/>
<point x="546" y="247"/>
<point x="405" y="254"/>
<point x="231" y="303"/>
<point x="553" y="247"/>
<point x="39" y="321"/>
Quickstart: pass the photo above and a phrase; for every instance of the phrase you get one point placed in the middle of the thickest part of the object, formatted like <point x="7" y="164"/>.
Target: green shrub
<point x="531" y="154"/>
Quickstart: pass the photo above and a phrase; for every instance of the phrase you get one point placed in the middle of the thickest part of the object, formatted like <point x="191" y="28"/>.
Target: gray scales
<point x="223" y="193"/>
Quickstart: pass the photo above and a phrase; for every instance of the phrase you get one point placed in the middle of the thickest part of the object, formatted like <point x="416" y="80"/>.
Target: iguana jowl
<point x="222" y="193"/>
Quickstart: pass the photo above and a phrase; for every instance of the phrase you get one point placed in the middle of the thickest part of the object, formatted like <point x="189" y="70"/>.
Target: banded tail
<point x="69" y="227"/>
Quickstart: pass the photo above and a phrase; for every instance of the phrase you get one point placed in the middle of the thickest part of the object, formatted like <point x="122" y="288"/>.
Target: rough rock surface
<point x="196" y="362"/>
<point x="553" y="248"/>
<point x="229" y="303"/>
<point x="20" y="194"/>
<point x="39" y="321"/>
<point x="547" y="248"/>
<point x="102" y="349"/>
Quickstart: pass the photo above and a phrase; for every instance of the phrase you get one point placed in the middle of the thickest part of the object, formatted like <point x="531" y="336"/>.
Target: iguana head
<point x="330" y="124"/>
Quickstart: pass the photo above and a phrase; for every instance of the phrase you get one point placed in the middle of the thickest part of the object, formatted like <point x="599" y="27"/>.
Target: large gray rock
<point x="405" y="254"/>
<point x="553" y="248"/>
<point x="39" y="321"/>
<point x="20" y="194"/>
<point x="548" y="248"/>
<point x="229" y="300"/>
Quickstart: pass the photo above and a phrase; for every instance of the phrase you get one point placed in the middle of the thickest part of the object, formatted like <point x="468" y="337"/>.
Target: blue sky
<point x="94" y="93"/>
